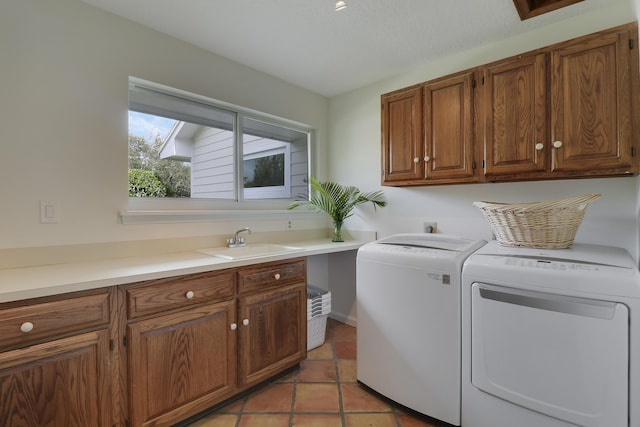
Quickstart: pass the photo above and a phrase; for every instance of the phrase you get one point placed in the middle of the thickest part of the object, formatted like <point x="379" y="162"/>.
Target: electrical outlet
<point x="430" y="227"/>
<point x="289" y="226"/>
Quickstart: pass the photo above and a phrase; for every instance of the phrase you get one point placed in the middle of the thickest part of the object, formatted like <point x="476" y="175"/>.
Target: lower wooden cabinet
<point x="59" y="378"/>
<point x="200" y="344"/>
<point x="273" y="332"/>
<point x="181" y="363"/>
<point x="152" y="353"/>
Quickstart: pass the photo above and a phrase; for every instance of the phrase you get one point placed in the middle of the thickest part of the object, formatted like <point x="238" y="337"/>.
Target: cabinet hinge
<point x="124" y="341"/>
<point x="483" y="164"/>
<point x="111" y="345"/>
<point x="482" y="81"/>
<point x="473" y="83"/>
<point x="631" y="43"/>
<point x="473" y="164"/>
<point x="633" y="151"/>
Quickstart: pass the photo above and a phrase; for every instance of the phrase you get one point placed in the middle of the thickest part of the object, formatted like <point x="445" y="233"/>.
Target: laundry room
<point x="106" y="276"/>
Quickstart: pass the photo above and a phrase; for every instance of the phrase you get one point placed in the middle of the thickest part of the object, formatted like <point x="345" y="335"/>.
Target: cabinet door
<point x="516" y="126"/>
<point x="61" y="383"/>
<point x="181" y="363"/>
<point x="591" y="105"/>
<point x="273" y="332"/>
<point x="401" y="136"/>
<point x="448" y="129"/>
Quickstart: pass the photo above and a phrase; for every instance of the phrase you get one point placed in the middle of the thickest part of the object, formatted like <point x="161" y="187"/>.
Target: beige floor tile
<point x="272" y="398"/>
<point x="316" y="398"/>
<point x="325" y="351"/>
<point x="314" y="420"/>
<point x="317" y="371"/>
<point x="411" y="421"/>
<point x="357" y="399"/>
<point x="370" y="420"/>
<point x="347" y="371"/>
<point x="264" y="420"/>
<point x="345" y="350"/>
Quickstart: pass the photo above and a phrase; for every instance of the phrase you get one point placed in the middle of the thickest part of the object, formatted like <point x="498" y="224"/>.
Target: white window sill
<point x="172" y="216"/>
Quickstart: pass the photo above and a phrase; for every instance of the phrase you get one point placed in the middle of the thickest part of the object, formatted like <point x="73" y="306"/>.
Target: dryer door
<point x="561" y="356"/>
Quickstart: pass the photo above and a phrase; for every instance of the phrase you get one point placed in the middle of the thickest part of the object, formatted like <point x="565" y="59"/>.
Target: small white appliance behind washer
<point x="408" y="302"/>
<point x="550" y="338"/>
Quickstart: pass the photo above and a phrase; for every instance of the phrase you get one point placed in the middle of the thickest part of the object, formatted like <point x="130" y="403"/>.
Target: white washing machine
<point x="408" y="302"/>
<point x="550" y="338"/>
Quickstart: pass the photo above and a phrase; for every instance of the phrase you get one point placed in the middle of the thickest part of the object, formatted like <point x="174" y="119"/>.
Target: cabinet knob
<point x="557" y="144"/>
<point x="276" y="276"/>
<point x="245" y="322"/>
<point x="416" y="160"/>
<point x="233" y="326"/>
<point x="539" y="146"/>
<point x="427" y="158"/>
<point x="190" y="295"/>
<point x="26" y="327"/>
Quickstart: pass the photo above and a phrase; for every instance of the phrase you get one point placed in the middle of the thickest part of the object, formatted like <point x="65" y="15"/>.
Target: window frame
<point x="142" y="209"/>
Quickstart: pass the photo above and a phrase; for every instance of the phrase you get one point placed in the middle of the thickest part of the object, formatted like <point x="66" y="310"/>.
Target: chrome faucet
<point x="238" y="241"/>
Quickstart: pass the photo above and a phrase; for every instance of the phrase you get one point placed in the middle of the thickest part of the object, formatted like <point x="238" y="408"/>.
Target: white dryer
<point x="550" y="338"/>
<point x="408" y="302"/>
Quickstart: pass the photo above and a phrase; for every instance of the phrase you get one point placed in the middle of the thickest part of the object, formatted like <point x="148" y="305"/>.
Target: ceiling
<point x="308" y="44"/>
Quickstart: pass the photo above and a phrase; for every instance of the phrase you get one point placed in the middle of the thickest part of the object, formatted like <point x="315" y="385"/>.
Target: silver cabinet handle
<point x="245" y="322"/>
<point x="277" y="276"/>
<point x="233" y="326"/>
<point x="427" y="158"/>
<point x="190" y="295"/>
<point x="539" y="146"/>
<point x="416" y="160"/>
<point x="557" y="144"/>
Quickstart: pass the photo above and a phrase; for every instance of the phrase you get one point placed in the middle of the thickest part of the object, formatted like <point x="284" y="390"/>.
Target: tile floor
<point x="324" y="392"/>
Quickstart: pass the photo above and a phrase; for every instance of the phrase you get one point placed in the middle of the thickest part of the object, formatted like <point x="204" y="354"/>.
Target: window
<point x="184" y="146"/>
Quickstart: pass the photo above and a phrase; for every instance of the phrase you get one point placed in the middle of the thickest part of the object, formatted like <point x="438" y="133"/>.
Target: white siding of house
<point x="299" y="170"/>
<point x="212" y="164"/>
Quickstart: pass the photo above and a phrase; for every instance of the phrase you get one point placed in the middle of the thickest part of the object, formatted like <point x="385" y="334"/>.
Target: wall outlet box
<point x="430" y="227"/>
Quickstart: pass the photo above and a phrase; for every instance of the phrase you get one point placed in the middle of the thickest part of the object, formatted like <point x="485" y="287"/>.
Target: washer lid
<point x="430" y="241"/>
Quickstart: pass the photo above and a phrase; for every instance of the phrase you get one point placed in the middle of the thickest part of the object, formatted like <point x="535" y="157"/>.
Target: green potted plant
<point x="338" y="201"/>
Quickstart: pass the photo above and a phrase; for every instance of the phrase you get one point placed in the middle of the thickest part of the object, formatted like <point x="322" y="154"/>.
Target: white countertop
<point x="37" y="281"/>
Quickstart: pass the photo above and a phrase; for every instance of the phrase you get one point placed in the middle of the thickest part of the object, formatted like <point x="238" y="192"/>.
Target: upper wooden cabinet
<point x="564" y="111"/>
<point x="591" y="89"/>
<point x="402" y="136"/>
<point x="427" y="132"/>
<point x="515" y="123"/>
<point x="448" y="129"/>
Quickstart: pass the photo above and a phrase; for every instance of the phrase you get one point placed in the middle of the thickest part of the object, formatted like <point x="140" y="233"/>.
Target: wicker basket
<point x="552" y="224"/>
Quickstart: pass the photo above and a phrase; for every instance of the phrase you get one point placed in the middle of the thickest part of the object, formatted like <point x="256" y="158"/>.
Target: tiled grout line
<point x="294" y="379"/>
<point x="343" y="417"/>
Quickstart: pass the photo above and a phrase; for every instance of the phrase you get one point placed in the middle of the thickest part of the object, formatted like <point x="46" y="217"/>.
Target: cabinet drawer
<point x="271" y="274"/>
<point x="24" y="324"/>
<point x="175" y="292"/>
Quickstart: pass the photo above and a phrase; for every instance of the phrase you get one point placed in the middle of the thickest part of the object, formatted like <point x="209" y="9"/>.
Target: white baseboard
<point x="340" y="317"/>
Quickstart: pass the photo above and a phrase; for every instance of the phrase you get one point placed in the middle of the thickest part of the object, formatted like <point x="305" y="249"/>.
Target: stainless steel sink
<point x="250" y="251"/>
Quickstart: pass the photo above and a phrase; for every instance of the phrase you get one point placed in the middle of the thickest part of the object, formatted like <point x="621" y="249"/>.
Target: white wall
<point x="63" y="115"/>
<point x="354" y="154"/>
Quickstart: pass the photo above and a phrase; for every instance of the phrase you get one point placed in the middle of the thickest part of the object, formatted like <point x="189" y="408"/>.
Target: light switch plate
<point x="49" y="211"/>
